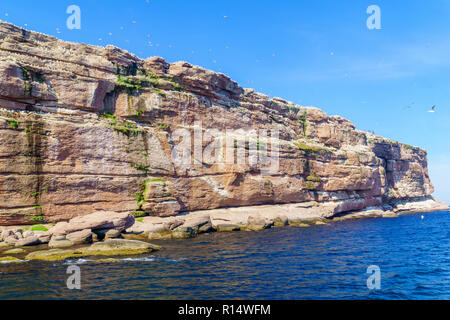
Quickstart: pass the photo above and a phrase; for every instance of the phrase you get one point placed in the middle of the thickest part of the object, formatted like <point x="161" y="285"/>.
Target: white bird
<point x="432" y="109"/>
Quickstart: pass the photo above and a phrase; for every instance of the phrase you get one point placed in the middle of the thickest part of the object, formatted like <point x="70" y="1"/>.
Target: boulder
<point x="174" y="224"/>
<point x="28" y="233"/>
<point x="18" y="234"/>
<point x="225" y="227"/>
<point x="120" y="247"/>
<point x="150" y="225"/>
<point x="197" y="221"/>
<point x="44" y="239"/>
<point x="80" y="237"/>
<point x="59" y="237"/>
<point x="14" y="251"/>
<point x="280" y="221"/>
<point x="136" y="236"/>
<point x="60" y="243"/>
<point x="10" y="259"/>
<point x="206" y="228"/>
<point x="108" y="234"/>
<point x="228" y="220"/>
<point x="61" y="228"/>
<point x="161" y="235"/>
<point x="44" y="236"/>
<point x="7" y="234"/>
<point x="184" y="232"/>
<point x="41" y="233"/>
<point x="28" y="241"/>
<point x="113" y="234"/>
<point x="255" y="223"/>
<point x="11" y="239"/>
<point x="112" y="247"/>
<point x="95" y="221"/>
<point x="5" y="245"/>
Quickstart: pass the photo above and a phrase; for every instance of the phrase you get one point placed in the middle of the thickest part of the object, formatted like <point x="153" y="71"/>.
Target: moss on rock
<point x="10" y="259"/>
<point x="116" y="247"/>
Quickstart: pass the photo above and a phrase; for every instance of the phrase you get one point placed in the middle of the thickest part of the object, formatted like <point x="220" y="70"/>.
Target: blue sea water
<point x="319" y="262"/>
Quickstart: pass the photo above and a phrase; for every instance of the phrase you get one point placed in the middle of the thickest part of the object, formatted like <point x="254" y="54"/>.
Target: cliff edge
<point x="86" y="129"/>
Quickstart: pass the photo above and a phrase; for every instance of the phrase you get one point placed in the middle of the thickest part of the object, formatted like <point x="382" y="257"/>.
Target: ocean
<point x="319" y="262"/>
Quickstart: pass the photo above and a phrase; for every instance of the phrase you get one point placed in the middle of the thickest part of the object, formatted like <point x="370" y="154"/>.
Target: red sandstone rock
<point x="95" y="221"/>
<point x="79" y="237"/>
<point x="63" y="160"/>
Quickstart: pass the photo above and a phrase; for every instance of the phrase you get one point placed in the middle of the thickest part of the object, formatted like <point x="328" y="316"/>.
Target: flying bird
<point x="409" y="106"/>
<point x="432" y="109"/>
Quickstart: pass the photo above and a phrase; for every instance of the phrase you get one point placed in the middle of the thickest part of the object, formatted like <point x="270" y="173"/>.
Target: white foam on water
<point x="147" y="259"/>
<point x="20" y="261"/>
<point x="78" y="261"/>
<point x="178" y="260"/>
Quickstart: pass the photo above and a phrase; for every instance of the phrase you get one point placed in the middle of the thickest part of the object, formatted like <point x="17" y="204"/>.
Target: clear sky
<point x="312" y="52"/>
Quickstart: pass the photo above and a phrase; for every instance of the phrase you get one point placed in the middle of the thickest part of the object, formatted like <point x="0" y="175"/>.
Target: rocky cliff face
<point x="85" y="128"/>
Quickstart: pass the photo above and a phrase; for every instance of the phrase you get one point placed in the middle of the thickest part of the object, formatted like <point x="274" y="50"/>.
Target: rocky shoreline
<point x="255" y="218"/>
<point x="113" y="234"/>
<point x="101" y="149"/>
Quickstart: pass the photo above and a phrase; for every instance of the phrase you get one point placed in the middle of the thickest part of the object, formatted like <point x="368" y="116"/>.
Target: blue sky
<point x="312" y="52"/>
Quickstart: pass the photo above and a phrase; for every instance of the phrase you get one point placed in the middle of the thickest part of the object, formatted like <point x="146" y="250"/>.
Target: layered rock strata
<point x="86" y="129"/>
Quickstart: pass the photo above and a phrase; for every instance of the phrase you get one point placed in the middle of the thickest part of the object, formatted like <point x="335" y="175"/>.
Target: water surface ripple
<point x="320" y="262"/>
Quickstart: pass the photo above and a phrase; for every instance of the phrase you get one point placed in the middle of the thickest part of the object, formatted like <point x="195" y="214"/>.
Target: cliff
<point x="86" y="128"/>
